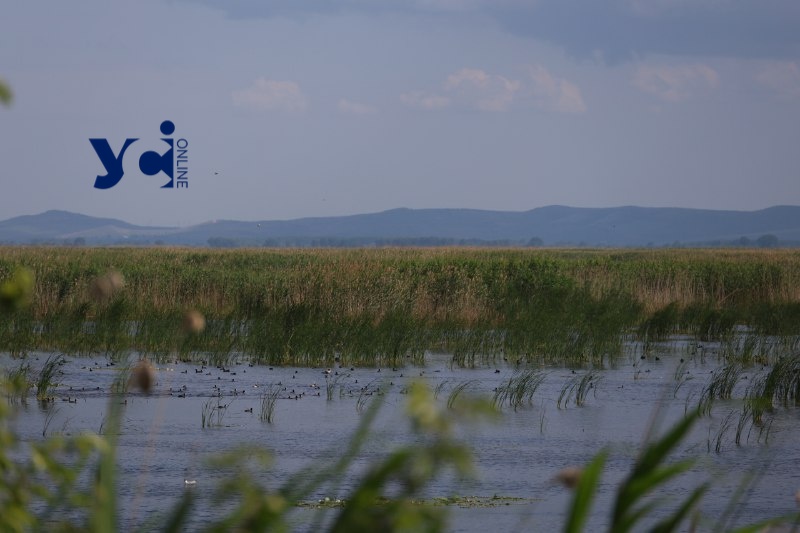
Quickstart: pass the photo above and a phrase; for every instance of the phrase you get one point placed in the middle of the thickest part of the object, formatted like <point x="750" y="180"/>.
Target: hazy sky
<point x="322" y="107"/>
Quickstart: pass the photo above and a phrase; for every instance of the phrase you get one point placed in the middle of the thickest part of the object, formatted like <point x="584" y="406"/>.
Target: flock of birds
<point x="231" y="381"/>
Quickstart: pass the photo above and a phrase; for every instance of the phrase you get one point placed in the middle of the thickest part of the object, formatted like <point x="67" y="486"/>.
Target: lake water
<point x="162" y="441"/>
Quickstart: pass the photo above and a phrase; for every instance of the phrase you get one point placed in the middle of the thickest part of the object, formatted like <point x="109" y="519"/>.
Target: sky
<point x="295" y="108"/>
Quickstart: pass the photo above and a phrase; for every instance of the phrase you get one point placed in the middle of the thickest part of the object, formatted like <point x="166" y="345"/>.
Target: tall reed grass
<point x="388" y="306"/>
<point x="49" y="373"/>
<point x="268" y="400"/>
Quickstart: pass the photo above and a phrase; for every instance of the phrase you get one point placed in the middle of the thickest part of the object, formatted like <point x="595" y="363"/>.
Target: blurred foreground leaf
<point x="16" y="292"/>
<point x="5" y="93"/>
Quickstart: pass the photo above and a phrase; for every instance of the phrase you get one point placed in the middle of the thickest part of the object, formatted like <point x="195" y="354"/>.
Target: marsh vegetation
<point x="386" y="307"/>
<point x="591" y="333"/>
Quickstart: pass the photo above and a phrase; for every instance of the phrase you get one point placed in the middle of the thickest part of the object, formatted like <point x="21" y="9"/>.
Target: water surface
<point x="162" y="442"/>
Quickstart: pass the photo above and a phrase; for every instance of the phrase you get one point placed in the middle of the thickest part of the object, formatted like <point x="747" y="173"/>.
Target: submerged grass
<point x="48" y="375"/>
<point x="452" y="398"/>
<point x="268" y="399"/>
<point x="213" y="413"/>
<point x="519" y="389"/>
<point x="720" y="386"/>
<point x="388" y="306"/>
<point x="19" y="383"/>
<point x="773" y="387"/>
<point x="577" y="389"/>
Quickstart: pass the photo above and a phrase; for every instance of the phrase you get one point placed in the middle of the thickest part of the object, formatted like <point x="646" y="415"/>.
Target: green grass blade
<point x="655" y="453"/>
<point x="177" y="518"/>
<point x="638" y="487"/>
<point x="647" y="475"/>
<point x="584" y="494"/>
<point x="5" y="93"/>
<point x="793" y="518"/>
<point x="672" y="523"/>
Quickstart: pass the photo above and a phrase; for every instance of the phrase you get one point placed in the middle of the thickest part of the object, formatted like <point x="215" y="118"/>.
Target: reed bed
<point x="775" y="386"/>
<point x="389" y="306"/>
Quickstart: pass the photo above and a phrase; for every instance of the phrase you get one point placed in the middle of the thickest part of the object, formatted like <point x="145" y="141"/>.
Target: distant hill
<point x="61" y="226"/>
<point x="551" y="225"/>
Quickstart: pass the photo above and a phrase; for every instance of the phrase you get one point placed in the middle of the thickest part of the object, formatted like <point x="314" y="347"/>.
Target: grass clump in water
<point x="50" y="372"/>
<point x="268" y="400"/>
<point x="720" y="386"/>
<point x="577" y="389"/>
<point x="19" y="383"/>
<point x="519" y="389"/>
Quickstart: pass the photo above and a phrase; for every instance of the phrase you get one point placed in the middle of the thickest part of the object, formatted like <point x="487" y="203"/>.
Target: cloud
<point x="627" y="30"/>
<point x="476" y="88"/>
<point x="616" y="30"/>
<point x="675" y="83"/>
<point x="271" y="95"/>
<point x="468" y="87"/>
<point x="555" y="94"/>
<point x="422" y="100"/>
<point x="355" y="108"/>
<point x="783" y="77"/>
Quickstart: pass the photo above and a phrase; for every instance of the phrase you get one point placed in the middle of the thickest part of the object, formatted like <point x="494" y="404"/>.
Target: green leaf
<point x="793" y="518"/>
<point x="5" y="93"/>
<point x="658" y="451"/>
<point x="671" y="523"/>
<point x="637" y="488"/>
<point x="177" y="519"/>
<point x="648" y="474"/>
<point x="584" y="493"/>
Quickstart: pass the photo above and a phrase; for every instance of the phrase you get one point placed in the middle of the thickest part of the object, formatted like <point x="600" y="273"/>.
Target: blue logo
<point x="174" y="162"/>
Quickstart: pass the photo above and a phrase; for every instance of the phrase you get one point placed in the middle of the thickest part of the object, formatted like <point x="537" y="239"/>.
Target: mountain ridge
<point x="553" y="225"/>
